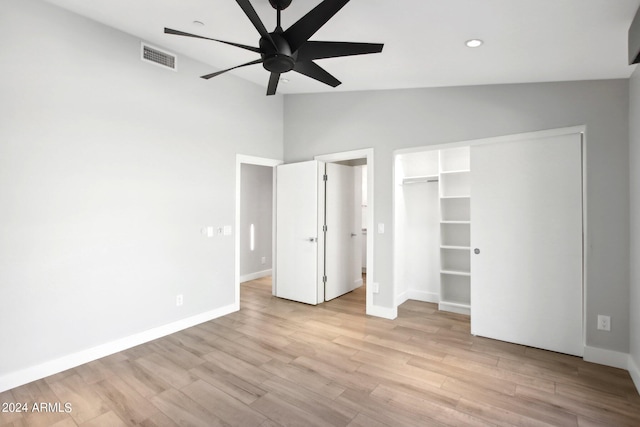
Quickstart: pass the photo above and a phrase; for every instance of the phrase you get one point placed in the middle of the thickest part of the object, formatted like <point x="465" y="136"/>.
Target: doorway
<point x="364" y="157"/>
<point x="243" y="160"/>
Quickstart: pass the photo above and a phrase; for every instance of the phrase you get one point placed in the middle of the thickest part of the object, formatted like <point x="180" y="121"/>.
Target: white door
<point x="526" y="222"/>
<point x="299" y="237"/>
<point x="342" y="236"/>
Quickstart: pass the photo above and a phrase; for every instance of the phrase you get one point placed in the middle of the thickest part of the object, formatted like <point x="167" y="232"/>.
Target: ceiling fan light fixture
<point x="474" y="43"/>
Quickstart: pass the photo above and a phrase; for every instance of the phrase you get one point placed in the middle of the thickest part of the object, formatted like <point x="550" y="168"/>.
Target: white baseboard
<point x="611" y="358"/>
<point x="402" y="298"/>
<point x="423" y="296"/>
<point x="27" y="375"/>
<point x="384" y="312"/>
<point x="256" y="275"/>
<point x="635" y="372"/>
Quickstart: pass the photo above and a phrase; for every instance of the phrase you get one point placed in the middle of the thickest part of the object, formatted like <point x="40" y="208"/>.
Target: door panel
<point x="526" y="220"/>
<point x="299" y="253"/>
<point x="342" y="233"/>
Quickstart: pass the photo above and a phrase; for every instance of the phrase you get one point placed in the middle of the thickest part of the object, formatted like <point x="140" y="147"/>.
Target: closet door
<point x="299" y="236"/>
<point x="526" y="240"/>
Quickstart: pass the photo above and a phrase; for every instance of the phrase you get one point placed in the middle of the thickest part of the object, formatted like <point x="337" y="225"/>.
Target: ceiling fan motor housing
<point x="278" y="58"/>
<point x="280" y="4"/>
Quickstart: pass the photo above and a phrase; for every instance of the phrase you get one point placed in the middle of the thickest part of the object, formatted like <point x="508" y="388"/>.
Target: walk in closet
<point x="433" y="213"/>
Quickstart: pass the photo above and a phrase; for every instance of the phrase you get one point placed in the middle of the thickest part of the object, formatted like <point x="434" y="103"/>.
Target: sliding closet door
<point x="526" y="239"/>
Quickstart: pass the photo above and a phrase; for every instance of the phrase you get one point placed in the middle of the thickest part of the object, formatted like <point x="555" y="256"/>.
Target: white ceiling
<point x="525" y="40"/>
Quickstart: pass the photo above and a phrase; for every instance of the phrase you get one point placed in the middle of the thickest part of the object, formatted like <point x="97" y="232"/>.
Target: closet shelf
<point x="455" y="222"/>
<point x="455" y="273"/>
<point x="462" y="248"/>
<point x="419" y="179"/>
<point x="455" y="171"/>
<point x="466" y="196"/>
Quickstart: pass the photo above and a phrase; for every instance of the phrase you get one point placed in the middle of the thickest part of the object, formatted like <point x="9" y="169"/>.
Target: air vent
<point x="159" y="57"/>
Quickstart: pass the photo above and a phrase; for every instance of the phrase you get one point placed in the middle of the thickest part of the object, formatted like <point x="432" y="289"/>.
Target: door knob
<point x="353" y="234"/>
<point x="476" y="251"/>
<point x="313" y="239"/>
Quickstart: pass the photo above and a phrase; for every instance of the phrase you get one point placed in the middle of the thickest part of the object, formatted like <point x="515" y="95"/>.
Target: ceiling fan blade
<point x="182" y="33"/>
<point x="307" y="26"/>
<point x="255" y="19"/>
<point x="217" y="73"/>
<point x="318" y="50"/>
<point x="316" y="72"/>
<point x="273" y="83"/>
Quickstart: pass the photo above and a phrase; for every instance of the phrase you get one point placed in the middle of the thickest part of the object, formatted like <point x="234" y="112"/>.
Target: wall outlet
<point x="604" y="323"/>
<point x="376" y="287"/>
<point x="263" y="260"/>
<point x="179" y="300"/>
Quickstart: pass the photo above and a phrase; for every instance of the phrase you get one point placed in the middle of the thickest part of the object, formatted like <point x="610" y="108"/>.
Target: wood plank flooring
<point x="281" y="363"/>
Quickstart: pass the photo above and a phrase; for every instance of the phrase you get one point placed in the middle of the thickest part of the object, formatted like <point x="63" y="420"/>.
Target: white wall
<point x="256" y="207"/>
<point x="109" y="168"/>
<point x="419" y="266"/>
<point x="634" y="166"/>
<point x="389" y="120"/>
<point x="417" y="229"/>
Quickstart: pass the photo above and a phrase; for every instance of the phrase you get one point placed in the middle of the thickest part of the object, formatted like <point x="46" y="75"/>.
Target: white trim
<point x="366" y="153"/>
<point x="492" y="140"/>
<point x="423" y="296"/>
<point x="634" y="371"/>
<point x="401" y="298"/>
<point x="601" y="356"/>
<point x="384" y="312"/>
<point x="414" y="295"/>
<point x="27" y="375"/>
<point x="255" y="275"/>
<point x="260" y="161"/>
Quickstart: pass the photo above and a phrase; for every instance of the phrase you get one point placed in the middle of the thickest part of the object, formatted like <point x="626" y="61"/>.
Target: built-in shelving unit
<point x="455" y="230"/>
<point x="419" y="179"/>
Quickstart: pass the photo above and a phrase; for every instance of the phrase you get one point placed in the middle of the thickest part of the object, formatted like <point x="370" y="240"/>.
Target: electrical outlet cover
<point x="604" y="323"/>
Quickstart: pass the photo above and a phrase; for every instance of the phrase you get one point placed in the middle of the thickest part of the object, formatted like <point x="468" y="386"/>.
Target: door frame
<point x="259" y="161"/>
<point x="513" y="138"/>
<point x="366" y="153"/>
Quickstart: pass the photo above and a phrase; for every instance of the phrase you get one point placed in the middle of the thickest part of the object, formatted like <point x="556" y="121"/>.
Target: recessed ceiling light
<point x="198" y="23"/>
<point x="284" y="80"/>
<point x="474" y="43"/>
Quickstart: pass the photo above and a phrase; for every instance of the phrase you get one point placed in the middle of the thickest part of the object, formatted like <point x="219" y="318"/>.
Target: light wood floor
<point x="277" y="362"/>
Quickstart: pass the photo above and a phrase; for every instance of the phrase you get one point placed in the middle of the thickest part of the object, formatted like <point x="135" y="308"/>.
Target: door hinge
<point x="325" y="177"/>
<point x="324" y="279"/>
<point x="324" y="228"/>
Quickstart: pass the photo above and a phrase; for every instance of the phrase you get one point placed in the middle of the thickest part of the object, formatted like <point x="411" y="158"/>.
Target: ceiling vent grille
<point x="158" y="57"/>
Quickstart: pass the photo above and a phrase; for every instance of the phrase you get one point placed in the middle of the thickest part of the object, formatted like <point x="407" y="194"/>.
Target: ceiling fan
<point x="282" y="51"/>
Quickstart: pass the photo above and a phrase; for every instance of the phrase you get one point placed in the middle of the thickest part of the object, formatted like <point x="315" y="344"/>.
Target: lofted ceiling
<point x="524" y="40"/>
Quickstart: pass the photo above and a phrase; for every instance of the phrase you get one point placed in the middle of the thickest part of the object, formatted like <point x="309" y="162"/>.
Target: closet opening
<point x="432" y="219"/>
